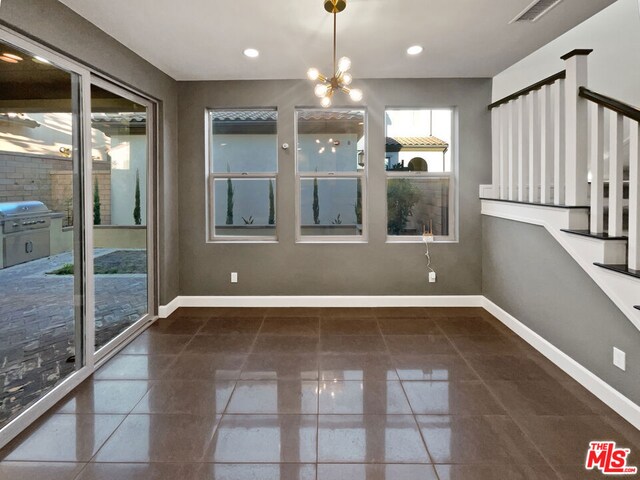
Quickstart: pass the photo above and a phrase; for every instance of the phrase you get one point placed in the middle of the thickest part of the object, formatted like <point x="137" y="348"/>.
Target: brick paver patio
<point x="37" y="328"/>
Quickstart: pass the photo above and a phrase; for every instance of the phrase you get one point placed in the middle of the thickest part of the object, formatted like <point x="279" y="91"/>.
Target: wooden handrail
<point x="611" y="103"/>
<point x="536" y="86"/>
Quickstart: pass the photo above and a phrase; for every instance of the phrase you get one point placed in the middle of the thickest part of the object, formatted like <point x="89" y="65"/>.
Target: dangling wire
<point x="428" y="258"/>
<point x="425" y="237"/>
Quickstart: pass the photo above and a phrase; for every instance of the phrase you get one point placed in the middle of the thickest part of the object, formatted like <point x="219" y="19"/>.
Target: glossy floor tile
<point x="280" y="367"/>
<point x="157" y="344"/>
<point x="482" y="439"/>
<point x="370" y="439"/>
<point x="375" y="472"/>
<point x="64" y="438"/>
<point x="231" y="325"/>
<point x="438" y="367"/>
<point x="104" y="396"/>
<point x="160" y="438"/>
<point x="39" y="470"/>
<point x="362" y="397"/>
<point x="349" y="326"/>
<point x="135" y="367"/>
<point x="186" y="396"/>
<point x="140" y="471"/>
<point x="465" y="397"/>
<point x="275" y="397"/>
<point x="265" y="439"/>
<point x="321" y="394"/>
<point x="372" y="367"/>
<point x="205" y="367"/>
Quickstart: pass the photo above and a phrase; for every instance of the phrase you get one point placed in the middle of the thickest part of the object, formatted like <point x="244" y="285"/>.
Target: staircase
<point x="560" y="160"/>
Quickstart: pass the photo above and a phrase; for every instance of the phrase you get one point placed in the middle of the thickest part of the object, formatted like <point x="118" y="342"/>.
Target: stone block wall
<point x="49" y="179"/>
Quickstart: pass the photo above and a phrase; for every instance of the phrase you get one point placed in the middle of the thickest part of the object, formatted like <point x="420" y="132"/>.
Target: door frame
<point x="85" y="326"/>
<point x="111" y="347"/>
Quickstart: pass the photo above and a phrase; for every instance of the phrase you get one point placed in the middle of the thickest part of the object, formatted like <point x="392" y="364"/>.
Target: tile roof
<point x="131" y="117"/>
<point x="272" y="115"/>
<point x="429" y="142"/>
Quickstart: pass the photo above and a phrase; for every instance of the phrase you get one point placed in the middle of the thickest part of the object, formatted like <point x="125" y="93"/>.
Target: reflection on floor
<point x="330" y="394"/>
<point x="37" y="330"/>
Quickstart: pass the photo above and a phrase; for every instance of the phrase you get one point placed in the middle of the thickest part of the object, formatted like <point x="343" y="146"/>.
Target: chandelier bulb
<point x="313" y="74"/>
<point x="325" y="102"/>
<point x="321" y="90"/>
<point x="356" y="94"/>
<point x="344" y="64"/>
<point x="347" y="79"/>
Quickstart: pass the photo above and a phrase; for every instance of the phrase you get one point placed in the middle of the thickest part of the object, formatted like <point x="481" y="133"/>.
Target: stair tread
<point x="587" y="233"/>
<point x="624" y="269"/>
<point x="583" y="207"/>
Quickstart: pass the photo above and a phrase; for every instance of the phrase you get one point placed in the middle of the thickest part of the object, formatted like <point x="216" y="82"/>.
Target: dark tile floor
<point x="327" y="394"/>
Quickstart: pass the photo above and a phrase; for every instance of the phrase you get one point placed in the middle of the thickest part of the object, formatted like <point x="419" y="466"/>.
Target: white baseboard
<point x="626" y="408"/>
<point x="322" y="301"/>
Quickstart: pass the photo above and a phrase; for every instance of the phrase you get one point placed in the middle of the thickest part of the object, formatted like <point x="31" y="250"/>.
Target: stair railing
<point x="621" y="116"/>
<point x="548" y="148"/>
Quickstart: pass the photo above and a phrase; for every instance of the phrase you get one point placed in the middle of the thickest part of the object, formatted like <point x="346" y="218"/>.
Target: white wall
<point x="614" y="65"/>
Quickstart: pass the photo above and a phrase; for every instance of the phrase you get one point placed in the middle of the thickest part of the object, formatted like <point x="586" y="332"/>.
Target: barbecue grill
<point x="25" y="231"/>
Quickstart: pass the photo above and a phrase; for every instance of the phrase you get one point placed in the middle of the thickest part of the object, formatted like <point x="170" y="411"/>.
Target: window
<point x="419" y="160"/>
<point x="331" y="174"/>
<point x="243" y="165"/>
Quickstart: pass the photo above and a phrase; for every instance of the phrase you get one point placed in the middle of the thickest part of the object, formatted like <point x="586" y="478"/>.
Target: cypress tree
<point x="137" y="219"/>
<point x="272" y="210"/>
<point x="316" y="202"/>
<point x="97" y="219"/>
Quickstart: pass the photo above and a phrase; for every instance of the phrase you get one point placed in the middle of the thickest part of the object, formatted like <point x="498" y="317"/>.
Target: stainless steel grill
<point x="25" y="231"/>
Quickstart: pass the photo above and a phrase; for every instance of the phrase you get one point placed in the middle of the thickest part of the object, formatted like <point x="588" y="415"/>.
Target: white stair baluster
<point x="615" y="174"/>
<point x="546" y="144"/>
<point x="523" y="149"/>
<point x="534" y="146"/>
<point x="596" y="160"/>
<point x="634" y="195"/>
<point x="504" y="151"/>
<point x="558" y="142"/>
<point x="495" y="153"/>
<point x="513" y="150"/>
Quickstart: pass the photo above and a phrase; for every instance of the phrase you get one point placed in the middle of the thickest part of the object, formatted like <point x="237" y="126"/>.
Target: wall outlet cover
<point x="619" y="358"/>
<point x="234" y="277"/>
<point x="432" y="277"/>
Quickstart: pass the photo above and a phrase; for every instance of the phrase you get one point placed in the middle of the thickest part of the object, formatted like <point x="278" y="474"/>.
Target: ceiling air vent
<point x="536" y="10"/>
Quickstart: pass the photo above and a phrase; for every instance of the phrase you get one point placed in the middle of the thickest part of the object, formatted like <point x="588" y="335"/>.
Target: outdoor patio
<point x="37" y="328"/>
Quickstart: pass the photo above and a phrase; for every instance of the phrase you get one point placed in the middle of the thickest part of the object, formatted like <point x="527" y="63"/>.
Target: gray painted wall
<point x="374" y="268"/>
<point x="57" y="25"/>
<point x="528" y="274"/>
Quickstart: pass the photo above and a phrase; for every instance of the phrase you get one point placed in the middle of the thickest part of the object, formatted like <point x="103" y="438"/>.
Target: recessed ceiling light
<point x="4" y="58"/>
<point x="11" y="55"/>
<point x="251" y="53"/>
<point x="40" y="59"/>
<point x="415" y="50"/>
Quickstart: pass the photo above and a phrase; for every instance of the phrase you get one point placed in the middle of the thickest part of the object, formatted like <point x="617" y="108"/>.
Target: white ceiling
<point x="204" y="39"/>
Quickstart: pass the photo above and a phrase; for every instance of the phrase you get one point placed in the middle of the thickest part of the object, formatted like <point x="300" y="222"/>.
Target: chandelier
<point x="341" y="79"/>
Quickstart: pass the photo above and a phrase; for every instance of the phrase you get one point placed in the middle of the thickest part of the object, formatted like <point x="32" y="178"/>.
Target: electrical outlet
<point x="234" y="277"/>
<point x="432" y="277"/>
<point x="619" y="359"/>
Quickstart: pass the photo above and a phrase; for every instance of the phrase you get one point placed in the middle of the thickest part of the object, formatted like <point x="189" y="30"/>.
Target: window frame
<point x="361" y="175"/>
<point x="451" y="175"/>
<point x="212" y="176"/>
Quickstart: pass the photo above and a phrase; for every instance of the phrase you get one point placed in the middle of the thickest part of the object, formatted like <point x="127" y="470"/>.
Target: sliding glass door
<point x="42" y="281"/>
<point x="76" y="225"/>
<point x="121" y="187"/>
